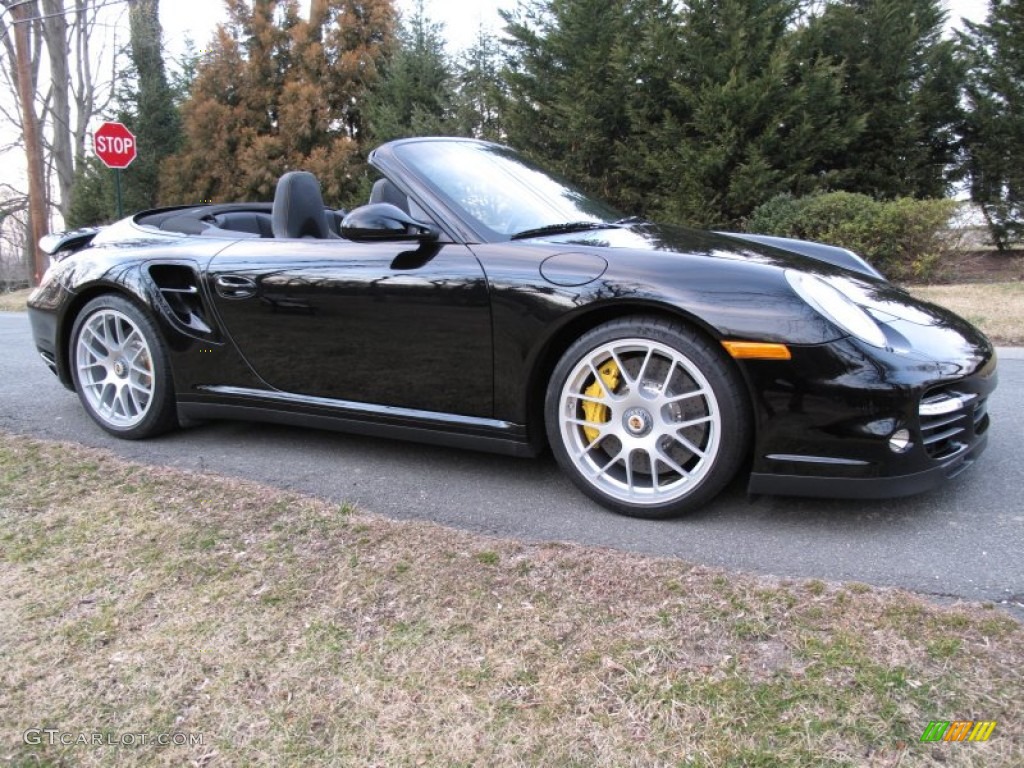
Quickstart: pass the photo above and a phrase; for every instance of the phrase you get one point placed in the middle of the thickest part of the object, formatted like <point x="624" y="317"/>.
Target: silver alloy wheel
<point x="640" y="421"/>
<point x="115" y="368"/>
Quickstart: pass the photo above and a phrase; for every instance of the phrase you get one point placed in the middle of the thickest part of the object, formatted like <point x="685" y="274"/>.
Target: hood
<point x="782" y="252"/>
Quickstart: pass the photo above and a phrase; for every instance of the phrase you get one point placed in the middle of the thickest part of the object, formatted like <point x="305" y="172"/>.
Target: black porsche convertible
<point x="478" y="301"/>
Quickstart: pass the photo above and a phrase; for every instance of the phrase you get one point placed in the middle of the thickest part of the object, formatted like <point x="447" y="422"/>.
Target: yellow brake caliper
<point x="595" y="412"/>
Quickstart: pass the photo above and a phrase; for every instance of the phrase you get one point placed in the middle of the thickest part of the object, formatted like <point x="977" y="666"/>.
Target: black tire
<point x="648" y="417"/>
<point x="120" y="369"/>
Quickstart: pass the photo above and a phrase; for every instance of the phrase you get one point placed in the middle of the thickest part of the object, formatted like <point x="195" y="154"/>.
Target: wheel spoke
<point x="580" y="454"/>
<point x="686" y="396"/>
<point x="668" y="461"/>
<point x="599" y="379"/>
<point x="668" y="376"/>
<point x="95" y="346"/>
<point x="629" y="472"/>
<point x="119" y="332"/>
<point x="98" y="339"/>
<point x="107" y="395"/>
<point x="688" y="445"/>
<point x="692" y="422"/>
<point x="110" y="329"/>
<point x="614" y="460"/>
<point x="622" y="369"/>
<point x="584" y="423"/>
<point x="134" y="399"/>
<point x="92" y="366"/>
<point x="644" y="364"/>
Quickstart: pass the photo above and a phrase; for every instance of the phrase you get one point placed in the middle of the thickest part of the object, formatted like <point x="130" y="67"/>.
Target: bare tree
<point x="14" y="270"/>
<point x="51" y="123"/>
<point x="75" y="96"/>
<point x="55" y="35"/>
<point x="24" y="74"/>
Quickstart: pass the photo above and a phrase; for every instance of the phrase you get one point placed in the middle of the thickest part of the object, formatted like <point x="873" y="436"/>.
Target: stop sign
<point x="114" y="145"/>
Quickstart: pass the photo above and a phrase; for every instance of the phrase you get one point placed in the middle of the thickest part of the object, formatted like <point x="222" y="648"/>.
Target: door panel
<point x="386" y="323"/>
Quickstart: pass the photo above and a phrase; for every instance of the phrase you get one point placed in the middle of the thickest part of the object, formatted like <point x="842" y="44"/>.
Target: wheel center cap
<point x="120" y="369"/>
<point x="638" y="422"/>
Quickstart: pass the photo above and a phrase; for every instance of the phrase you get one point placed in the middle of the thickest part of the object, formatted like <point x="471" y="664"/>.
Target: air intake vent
<point x="178" y="286"/>
<point x="948" y="421"/>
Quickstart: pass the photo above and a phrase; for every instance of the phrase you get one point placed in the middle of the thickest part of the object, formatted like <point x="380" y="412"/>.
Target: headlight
<point x="832" y="304"/>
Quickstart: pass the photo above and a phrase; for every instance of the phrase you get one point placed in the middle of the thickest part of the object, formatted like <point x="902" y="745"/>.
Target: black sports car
<point x="478" y="301"/>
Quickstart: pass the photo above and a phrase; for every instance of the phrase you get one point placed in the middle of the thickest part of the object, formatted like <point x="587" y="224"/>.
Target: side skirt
<point x="468" y="432"/>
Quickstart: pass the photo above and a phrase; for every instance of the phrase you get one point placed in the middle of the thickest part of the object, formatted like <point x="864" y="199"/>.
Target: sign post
<point x="116" y="148"/>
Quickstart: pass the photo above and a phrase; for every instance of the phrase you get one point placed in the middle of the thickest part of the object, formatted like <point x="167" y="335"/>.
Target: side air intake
<point x="178" y="285"/>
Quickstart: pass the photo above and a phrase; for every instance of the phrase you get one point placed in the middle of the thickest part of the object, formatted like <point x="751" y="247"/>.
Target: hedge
<point x="903" y="238"/>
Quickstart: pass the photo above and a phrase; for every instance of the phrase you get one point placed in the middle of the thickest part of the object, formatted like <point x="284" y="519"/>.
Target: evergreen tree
<point x="415" y="94"/>
<point x="569" y="73"/>
<point x="481" y="98"/>
<point x="695" y="115"/>
<point x="902" y="78"/>
<point x="155" y="119"/>
<point x="276" y="93"/>
<point x="994" y="126"/>
<point x="94" y="199"/>
<point x="750" y="113"/>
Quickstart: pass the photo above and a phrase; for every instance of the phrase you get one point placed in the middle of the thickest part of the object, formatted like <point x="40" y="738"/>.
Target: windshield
<point x="499" y="191"/>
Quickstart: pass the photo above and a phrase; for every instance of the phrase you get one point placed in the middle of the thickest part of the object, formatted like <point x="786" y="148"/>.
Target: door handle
<point x="235" y="287"/>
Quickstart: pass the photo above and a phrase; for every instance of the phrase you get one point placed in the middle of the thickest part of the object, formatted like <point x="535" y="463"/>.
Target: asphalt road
<point x="964" y="540"/>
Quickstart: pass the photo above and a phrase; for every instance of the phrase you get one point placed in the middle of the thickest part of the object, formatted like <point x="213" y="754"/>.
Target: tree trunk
<point x="21" y="14"/>
<point x="55" y="34"/>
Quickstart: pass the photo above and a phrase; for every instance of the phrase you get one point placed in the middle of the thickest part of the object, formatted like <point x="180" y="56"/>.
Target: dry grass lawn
<point x="14" y="301"/>
<point x="292" y="632"/>
<point x="995" y="308"/>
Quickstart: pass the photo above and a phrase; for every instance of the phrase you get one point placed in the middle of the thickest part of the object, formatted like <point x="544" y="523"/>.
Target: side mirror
<point x="383" y="221"/>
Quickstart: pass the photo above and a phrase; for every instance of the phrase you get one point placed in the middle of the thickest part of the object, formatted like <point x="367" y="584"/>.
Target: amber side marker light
<point x="755" y="350"/>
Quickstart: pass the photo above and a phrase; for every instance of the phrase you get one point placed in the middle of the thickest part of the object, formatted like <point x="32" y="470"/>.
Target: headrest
<point x="299" y="207"/>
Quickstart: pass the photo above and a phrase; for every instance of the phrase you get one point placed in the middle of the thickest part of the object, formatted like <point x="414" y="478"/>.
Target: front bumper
<point x="825" y="420"/>
<point x="867" y="487"/>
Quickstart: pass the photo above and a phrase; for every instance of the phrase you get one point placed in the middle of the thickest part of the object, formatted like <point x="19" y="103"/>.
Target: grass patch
<point x="14" y="301"/>
<point x="995" y="308"/>
<point x="289" y="631"/>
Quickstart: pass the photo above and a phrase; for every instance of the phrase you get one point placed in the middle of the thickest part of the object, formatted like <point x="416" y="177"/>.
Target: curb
<point x="1010" y="353"/>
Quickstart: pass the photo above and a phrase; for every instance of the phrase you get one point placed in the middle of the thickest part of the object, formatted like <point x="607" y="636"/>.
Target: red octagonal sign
<point x="115" y="145"/>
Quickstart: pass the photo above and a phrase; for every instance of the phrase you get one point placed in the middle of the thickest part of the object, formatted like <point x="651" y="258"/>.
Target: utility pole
<point x="21" y="15"/>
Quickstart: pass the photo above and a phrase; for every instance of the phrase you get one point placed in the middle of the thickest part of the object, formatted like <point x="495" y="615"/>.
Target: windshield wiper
<point x="564" y="229"/>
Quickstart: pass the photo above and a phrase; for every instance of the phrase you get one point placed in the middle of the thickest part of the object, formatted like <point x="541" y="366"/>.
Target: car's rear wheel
<point x="120" y="369"/>
<point x="647" y="416"/>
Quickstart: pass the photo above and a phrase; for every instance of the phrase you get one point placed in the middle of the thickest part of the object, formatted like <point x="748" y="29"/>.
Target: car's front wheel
<point x="120" y="369"/>
<point x="647" y="416"/>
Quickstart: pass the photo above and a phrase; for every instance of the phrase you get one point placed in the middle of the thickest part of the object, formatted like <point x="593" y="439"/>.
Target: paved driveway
<point x="963" y="541"/>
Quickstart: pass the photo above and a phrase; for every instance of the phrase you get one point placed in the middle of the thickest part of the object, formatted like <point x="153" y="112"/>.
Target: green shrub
<point x="903" y="238"/>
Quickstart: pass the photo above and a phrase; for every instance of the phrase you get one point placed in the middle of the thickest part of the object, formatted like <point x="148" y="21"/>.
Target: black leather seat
<point x="299" y="207"/>
<point x="386" y="192"/>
